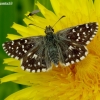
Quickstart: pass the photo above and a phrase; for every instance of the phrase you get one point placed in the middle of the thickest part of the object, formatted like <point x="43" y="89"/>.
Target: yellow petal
<point x="11" y="77"/>
<point x="22" y="30"/>
<point x="13" y="37"/>
<point x="11" y="61"/>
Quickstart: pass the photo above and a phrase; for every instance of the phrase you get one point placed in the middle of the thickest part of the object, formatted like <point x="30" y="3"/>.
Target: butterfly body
<point x="67" y="46"/>
<point x="51" y="45"/>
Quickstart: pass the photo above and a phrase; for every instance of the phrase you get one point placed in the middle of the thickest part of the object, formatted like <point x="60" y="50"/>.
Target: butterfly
<point x="67" y="46"/>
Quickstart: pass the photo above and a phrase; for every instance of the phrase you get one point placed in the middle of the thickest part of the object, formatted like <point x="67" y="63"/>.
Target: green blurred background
<point x="9" y="14"/>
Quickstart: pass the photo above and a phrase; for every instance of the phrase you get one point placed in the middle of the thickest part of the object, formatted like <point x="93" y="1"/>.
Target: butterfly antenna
<point x="59" y="20"/>
<point x="37" y="26"/>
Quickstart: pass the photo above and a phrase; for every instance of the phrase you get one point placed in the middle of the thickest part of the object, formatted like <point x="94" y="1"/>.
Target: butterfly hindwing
<point x="71" y="52"/>
<point x="74" y="53"/>
<point x="35" y="60"/>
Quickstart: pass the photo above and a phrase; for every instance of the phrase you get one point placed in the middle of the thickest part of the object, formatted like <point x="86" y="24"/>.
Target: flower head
<point x="80" y="81"/>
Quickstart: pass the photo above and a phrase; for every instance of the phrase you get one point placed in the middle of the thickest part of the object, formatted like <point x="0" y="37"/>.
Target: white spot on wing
<point x="78" y="34"/>
<point x="69" y="56"/>
<point x="16" y="57"/>
<point x="29" y="54"/>
<point x="4" y="47"/>
<point x="33" y="71"/>
<point x="87" y="42"/>
<point x="34" y="65"/>
<point x="67" y="64"/>
<point x="73" y="30"/>
<point x="12" y="42"/>
<point x="35" y="56"/>
<point x="77" y="39"/>
<point x="17" y="47"/>
<point x="25" y="41"/>
<point x="3" y="44"/>
<point x="91" y="29"/>
<point x="82" y="57"/>
<point x="22" y="46"/>
<point x="39" y="63"/>
<point x="43" y="70"/>
<point x="19" y="43"/>
<point x="77" y="60"/>
<point x="28" y="70"/>
<point x="72" y="62"/>
<point x="87" y="26"/>
<point x="91" y="38"/>
<point x="80" y="29"/>
<point x="38" y="70"/>
<point x="28" y="64"/>
<point x="22" y="67"/>
<point x="93" y="35"/>
<point x="86" y="53"/>
<point x="9" y="54"/>
<point x="16" y="51"/>
<point x="96" y="30"/>
<point x="6" y="51"/>
<point x="70" y="47"/>
<point x="84" y="33"/>
<point x="12" y="55"/>
<point x="9" y="47"/>
<point x="97" y="27"/>
<point x="25" y="51"/>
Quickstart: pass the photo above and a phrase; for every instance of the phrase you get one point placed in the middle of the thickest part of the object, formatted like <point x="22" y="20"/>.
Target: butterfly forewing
<point x="81" y="34"/>
<point x="18" y="48"/>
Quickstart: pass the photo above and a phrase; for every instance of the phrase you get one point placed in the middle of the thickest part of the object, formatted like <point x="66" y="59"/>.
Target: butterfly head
<point x="49" y="29"/>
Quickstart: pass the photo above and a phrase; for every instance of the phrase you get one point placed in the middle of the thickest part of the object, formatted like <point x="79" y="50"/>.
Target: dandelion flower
<point x="80" y="81"/>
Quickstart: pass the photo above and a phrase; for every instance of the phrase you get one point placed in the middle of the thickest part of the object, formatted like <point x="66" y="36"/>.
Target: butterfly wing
<point x="31" y="51"/>
<point x="81" y="34"/>
<point x="72" y="52"/>
<point x="20" y="47"/>
<point x="36" y="60"/>
<point x="73" y="41"/>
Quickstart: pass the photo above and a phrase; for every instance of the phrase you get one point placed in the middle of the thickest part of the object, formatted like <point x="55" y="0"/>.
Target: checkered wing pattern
<point x="18" y="48"/>
<point x="73" y="41"/>
<point x="35" y="60"/>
